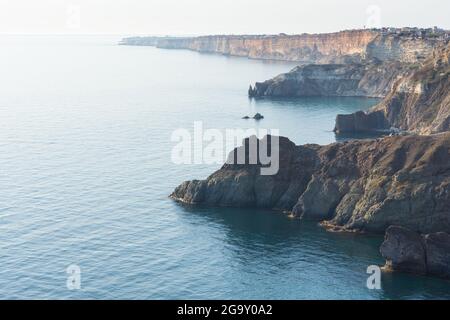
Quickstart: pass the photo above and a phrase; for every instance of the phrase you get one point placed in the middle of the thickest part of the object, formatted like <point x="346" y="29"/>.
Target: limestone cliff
<point x="346" y="46"/>
<point x="418" y="102"/>
<point x="365" y="185"/>
<point x="352" y="46"/>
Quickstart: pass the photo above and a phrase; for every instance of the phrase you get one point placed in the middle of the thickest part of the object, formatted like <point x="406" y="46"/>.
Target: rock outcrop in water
<point x="365" y="185"/>
<point x="408" y="251"/>
<point x="419" y="102"/>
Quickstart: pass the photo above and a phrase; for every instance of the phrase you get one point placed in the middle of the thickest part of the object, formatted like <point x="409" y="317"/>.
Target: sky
<point x="199" y="17"/>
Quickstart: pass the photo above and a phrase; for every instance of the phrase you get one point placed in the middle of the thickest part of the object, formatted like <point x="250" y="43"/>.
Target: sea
<point x="86" y="168"/>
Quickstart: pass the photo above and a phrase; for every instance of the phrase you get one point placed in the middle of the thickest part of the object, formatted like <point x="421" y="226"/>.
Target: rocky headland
<point x="355" y="186"/>
<point x="373" y="79"/>
<point x="418" y="102"/>
<point x="415" y="96"/>
<point x="410" y="74"/>
<point x="399" y="185"/>
<point x="364" y="186"/>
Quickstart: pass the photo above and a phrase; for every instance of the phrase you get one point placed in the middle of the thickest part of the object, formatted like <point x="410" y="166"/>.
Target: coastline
<point x="360" y="186"/>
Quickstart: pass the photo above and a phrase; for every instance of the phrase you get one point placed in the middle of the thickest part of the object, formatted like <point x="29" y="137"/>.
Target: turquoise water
<point x="85" y="148"/>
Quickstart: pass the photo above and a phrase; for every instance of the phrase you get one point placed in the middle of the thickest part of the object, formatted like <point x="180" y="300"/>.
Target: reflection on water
<point x="337" y="263"/>
<point x="309" y="119"/>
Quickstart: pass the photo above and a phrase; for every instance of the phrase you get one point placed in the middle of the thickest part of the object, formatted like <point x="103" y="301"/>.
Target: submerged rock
<point x="365" y="185"/>
<point x="411" y="252"/>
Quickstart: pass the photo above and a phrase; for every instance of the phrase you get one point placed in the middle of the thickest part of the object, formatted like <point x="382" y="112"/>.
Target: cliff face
<point x="353" y="46"/>
<point x="338" y="47"/>
<point x="358" y="185"/>
<point x="366" y="80"/>
<point x="419" y="102"/>
<point x="400" y="48"/>
<point x="408" y="251"/>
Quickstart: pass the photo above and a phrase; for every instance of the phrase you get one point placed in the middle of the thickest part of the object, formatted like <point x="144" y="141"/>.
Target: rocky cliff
<point x="389" y="63"/>
<point x="366" y="80"/>
<point x="346" y="46"/>
<point x="353" y="46"/>
<point x="408" y="251"/>
<point x="419" y="101"/>
<point x="365" y="185"/>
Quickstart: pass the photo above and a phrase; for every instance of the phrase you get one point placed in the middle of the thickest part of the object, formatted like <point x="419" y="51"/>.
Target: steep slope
<point x="365" y="80"/>
<point x="339" y="47"/>
<point x="358" y="185"/>
<point x="419" y="102"/>
<point x="407" y="251"/>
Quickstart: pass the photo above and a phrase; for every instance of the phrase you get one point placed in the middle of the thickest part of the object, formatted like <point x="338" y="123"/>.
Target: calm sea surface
<point x="85" y="171"/>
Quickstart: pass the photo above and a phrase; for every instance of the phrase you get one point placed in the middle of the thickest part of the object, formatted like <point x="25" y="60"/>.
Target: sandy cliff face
<point x="419" y="102"/>
<point x="346" y="46"/>
<point x="353" y="46"/>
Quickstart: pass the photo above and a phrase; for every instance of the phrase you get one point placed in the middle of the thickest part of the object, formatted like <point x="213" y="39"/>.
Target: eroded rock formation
<point x="419" y="102"/>
<point x="363" y="80"/>
<point x="365" y="185"/>
<point x="408" y="251"/>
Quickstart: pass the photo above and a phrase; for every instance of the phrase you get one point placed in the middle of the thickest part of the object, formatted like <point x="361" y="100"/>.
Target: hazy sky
<point x="189" y="17"/>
